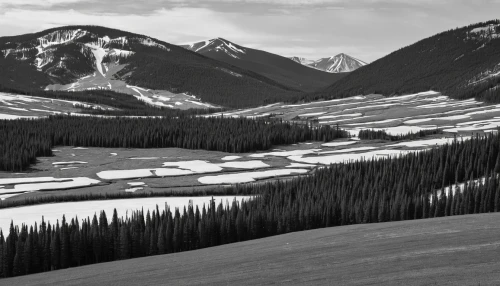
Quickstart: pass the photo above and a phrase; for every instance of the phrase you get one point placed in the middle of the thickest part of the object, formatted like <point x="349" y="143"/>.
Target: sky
<point x="365" y="29"/>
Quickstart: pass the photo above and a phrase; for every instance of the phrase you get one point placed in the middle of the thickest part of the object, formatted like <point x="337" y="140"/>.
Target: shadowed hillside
<point x="461" y="63"/>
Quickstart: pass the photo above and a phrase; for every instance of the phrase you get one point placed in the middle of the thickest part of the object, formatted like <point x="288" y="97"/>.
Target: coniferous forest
<point x="24" y="140"/>
<point x="392" y="189"/>
<point x="370" y="134"/>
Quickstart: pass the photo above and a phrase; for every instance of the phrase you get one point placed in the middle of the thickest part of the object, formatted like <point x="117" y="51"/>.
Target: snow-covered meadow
<point x="53" y="212"/>
<point x="104" y="80"/>
<point x="150" y="170"/>
<point x="16" y="106"/>
<point x="395" y="115"/>
<point x="115" y="170"/>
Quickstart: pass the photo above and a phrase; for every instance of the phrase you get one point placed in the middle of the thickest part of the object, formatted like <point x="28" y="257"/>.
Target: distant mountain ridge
<point x="217" y="45"/>
<point x="335" y="64"/>
<point x="461" y="63"/>
<point x="275" y="67"/>
<point x="76" y="58"/>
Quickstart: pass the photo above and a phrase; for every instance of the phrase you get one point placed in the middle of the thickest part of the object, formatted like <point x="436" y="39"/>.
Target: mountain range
<point x="461" y="63"/>
<point x="76" y="58"/>
<point x="278" y="68"/>
<point x="335" y="64"/>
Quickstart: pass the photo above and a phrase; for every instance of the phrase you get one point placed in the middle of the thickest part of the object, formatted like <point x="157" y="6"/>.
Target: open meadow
<point x="459" y="250"/>
<point x="78" y="170"/>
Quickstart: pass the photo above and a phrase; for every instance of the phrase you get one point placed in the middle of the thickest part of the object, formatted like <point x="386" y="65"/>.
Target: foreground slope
<point x="275" y="67"/>
<point x="458" y="250"/>
<point x="89" y="57"/>
<point x="462" y="63"/>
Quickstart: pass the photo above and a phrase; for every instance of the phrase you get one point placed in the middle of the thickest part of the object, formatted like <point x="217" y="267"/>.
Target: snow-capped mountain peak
<point x="333" y="64"/>
<point x="218" y="45"/>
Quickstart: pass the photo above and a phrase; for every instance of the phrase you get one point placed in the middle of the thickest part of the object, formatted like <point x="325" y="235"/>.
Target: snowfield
<point x="199" y="166"/>
<point x="56" y="184"/>
<point x="16" y="106"/>
<point x="300" y="165"/>
<point x="196" y="166"/>
<point x="350" y="157"/>
<point x="335" y="144"/>
<point x="136" y="183"/>
<point x="141" y="173"/>
<point x="12" y="181"/>
<point x="84" y="209"/>
<point x="181" y="168"/>
<point x="285" y="153"/>
<point x="132" y="190"/>
<point x="248" y="176"/>
<point x="244" y="165"/>
<point x="348" y="150"/>
<point x="428" y="142"/>
<point x="396" y="115"/>
<point x="229" y="158"/>
<point x="69" y="163"/>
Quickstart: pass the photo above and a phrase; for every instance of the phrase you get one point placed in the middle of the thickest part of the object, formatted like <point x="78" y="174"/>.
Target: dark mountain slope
<point x="65" y="55"/>
<point x="275" y="67"/>
<point x="461" y="63"/>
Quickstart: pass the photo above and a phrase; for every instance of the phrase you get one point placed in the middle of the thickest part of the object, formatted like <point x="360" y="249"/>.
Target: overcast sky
<point x="365" y="29"/>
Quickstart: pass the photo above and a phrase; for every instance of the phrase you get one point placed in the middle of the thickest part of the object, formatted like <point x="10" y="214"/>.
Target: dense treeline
<point x="392" y="189"/>
<point x="450" y="62"/>
<point x="24" y="140"/>
<point x="371" y="134"/>
<point x="488" y="90"/>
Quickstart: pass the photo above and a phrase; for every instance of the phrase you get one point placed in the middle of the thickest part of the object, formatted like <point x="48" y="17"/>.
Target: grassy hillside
<point x="460" y="250"/>
<point x="456" y="62"/>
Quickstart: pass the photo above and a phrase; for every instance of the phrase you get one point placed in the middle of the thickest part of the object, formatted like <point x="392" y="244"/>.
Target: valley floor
<point x="459" y="250"/>
<point x="118" y="170"/>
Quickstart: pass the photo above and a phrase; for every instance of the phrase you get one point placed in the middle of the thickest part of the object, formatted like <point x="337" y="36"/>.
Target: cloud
<point x="42" y="3"/>
<point x="173" y="25"/>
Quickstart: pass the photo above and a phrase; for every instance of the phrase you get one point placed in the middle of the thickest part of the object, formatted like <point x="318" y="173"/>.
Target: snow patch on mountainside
<point x="93" y="47"/>
<point x="149" y="42"/>
<point x="60" y="37"/>
<point x="230" y="72"/>
<point x="99" y="54"/>
<point x="488" y="74"/>
<point x="488" y="32"/>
